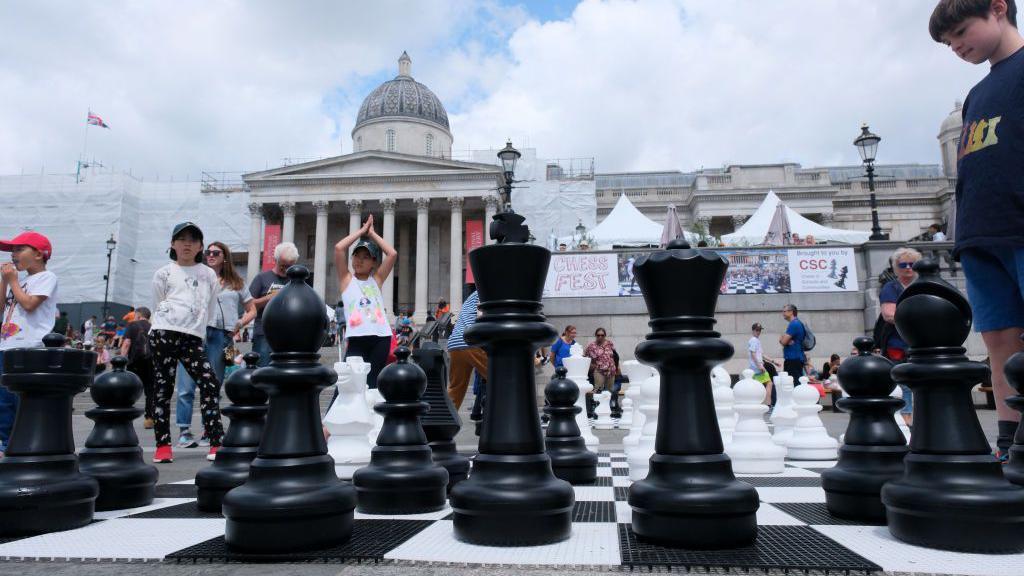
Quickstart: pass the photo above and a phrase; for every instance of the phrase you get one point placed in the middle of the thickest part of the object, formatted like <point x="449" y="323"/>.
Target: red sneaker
<point x="213" y="453"/>
<point x="163" y="455"/>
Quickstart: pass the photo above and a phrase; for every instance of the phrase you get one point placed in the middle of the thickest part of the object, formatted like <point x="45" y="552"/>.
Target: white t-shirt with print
<point x="23" y="329"/>
<point x="754" y="349"/>
<point x="185" y="298"/>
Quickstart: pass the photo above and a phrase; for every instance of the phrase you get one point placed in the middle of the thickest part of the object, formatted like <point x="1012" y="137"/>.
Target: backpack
<point x="140" y="349"/>
<point x="809" y="341"/>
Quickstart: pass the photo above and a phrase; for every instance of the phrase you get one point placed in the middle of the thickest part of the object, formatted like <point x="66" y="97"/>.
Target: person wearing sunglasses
<point x="893" y="347"/>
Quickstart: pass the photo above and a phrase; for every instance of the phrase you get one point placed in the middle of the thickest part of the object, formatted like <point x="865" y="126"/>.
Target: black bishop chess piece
<point x="241" y="442"/>
<point x="512" y="497"/>
<point x="441" y="423"/>
<point x="570" y="459"/>
<point x="873" y="449"/>
<point x="953" y="494"/>
<point x="690" y="497"/>
<point x="1014" y="370"/>
<point x="401" y="477"/>
<point x="112" y="454"/>
<point x="292" y="500"/>
<point x="41" y="489"/>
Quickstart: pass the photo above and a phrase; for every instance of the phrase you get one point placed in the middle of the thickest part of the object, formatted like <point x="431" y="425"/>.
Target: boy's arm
<point x="27" y="301"/>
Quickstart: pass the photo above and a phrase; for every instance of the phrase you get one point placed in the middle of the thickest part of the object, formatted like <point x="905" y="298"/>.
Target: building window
<point x="430" y="144"/>
<point x="359" y="144"/>
<point x="389" y="138"/>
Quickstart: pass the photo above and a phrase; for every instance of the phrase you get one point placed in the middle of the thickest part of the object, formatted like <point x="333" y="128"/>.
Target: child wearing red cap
<point x="28" y="310"/>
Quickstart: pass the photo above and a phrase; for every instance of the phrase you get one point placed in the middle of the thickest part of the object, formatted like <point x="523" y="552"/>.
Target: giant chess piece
<point x="953" y="494"/>
<point x="511" y="497"/>
<point x="402" y="477"/>
<point x="810" y="439"/>
<point x="570" y="459"/>
<point x="1014" y="370"/>
<point x="241" y="442"/>
<point x="578" y="365"/>
<point x="441" y="423"/>
<point x="690" y="497"/>
<point x="752" y="450"/>
<point x="724" y="397"/>
<point x="373" y="397"/>
<point x="873" y="447"/>
<point x="292" y="500"/>
<point x="41" y="489"/>
<point x="349" y="422"/>
<point x="112" y="454"/>
<point x="604" y="411"/>
<point x="783" y="416"/>
<point x="639" y="457"/>
<point x="637" y="373"/>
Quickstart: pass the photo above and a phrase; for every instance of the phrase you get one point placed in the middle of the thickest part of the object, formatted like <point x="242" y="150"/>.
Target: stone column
<point x="827" y="218"/>
<point x="355" y="219"/>
<point x="455" y="258"/>
<point x="389" y="237"/>
<point x="403" y="262"/>
<point x="288" y="226"/>
<point x="491" y="203"/>
<point x="738" y="221"/>
<point x="422" y="210"/>
<point x="255" y="240"/>
<point x="320" y="250"/>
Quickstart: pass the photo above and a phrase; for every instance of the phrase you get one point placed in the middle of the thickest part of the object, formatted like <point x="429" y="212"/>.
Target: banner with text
<point x="271" y="238"/>
<point x="823" y="270"/>
<point x="582" y="274"/>
<point x="474" y="240"/>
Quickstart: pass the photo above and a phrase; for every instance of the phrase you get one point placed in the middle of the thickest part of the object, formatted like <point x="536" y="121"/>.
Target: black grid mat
<point x="783" y="482"/>
<point x="186" y="510"/>
<point x="602" y="481"/>
<point x="176" y="491"/>
<point x="620" y="471"/>
<point x="817" y="513"/>
<point x="621" y="493"/>
<point x="592" y="511"/>
<point x="777" y="547"/>
<point x="371" y="540"/>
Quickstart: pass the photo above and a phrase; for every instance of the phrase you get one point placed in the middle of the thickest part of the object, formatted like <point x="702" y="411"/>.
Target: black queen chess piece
<point x="41" y="489"/>
<point x="112" y="454"/>
<point x="952" y="495"/>
<point x="401" y="477"/>
<point x="441" y="423"/>
<point x="241" y="442"/>
<point x="292" y="500"/>
<point x="874" y="447"/>
<point x="690" y="497"/>
<point x="1014" y="370"/>
<point x="570" y="459"/>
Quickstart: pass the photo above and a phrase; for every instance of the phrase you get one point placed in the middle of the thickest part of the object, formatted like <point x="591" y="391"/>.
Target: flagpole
<point x="85" y="146"/>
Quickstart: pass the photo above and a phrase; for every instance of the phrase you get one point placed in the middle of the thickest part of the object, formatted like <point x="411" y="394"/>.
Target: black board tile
<point x="817" y="513"/>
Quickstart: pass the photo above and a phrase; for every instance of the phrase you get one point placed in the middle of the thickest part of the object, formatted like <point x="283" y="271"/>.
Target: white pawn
<point x="724" y="400"/>
<point x="349" y="421"/>
<point x="810" y="439"/>
<point x="577" y="365"/>
<point x="783" y="416"/>
<point x="639" y="457"/>
<point x="897" y="392"/>
<point x="637" y="373"/>
<point x="626" y="420"/>
<point x="752" y="450"/>
<point x="604" y="411"/>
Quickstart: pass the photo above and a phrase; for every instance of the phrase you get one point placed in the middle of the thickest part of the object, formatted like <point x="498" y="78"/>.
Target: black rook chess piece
<point x="511" y="496"/>
<point x="570" y="459"/>
<point x="953" y="494"/>
<point x="401" y="477"/>
<point x="873" y="450"/>
<point x="690" y="497"/>
<point x="41" y="489"/>
<point x="112" y="454"/>
<point x="441" y="423"/>
<point x="1014" y="370"/>
<point x="242" y="440"/>
<point x="292" y="500"/>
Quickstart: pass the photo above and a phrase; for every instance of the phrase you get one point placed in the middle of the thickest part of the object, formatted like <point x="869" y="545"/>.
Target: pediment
<point x="372" y="163"/>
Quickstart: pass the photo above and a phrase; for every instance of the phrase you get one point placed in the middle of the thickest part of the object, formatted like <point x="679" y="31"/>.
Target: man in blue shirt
<point x="793" y="358"/>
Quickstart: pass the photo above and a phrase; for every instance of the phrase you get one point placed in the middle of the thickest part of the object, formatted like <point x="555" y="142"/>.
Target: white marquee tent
<point x="753" y="231"/>
<point x="623" y="226"/>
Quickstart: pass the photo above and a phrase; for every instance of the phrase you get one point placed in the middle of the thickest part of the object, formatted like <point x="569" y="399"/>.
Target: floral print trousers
<point x="169" y="348"/>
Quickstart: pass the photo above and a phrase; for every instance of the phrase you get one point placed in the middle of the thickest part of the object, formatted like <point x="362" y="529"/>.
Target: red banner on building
<point x="474" y="240"/>
<point x="271" y="238"/>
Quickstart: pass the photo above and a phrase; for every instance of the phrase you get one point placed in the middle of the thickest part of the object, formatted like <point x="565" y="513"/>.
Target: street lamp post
<point x="867" y="145"/>
<point x="111" y="244"/>
<point x="507" y="225"/>
<point x="508" y="156"/>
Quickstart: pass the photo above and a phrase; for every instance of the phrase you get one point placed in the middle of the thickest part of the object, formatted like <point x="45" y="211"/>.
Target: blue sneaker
<point x="1002" y="456"/>
<point x="186" y="440"/>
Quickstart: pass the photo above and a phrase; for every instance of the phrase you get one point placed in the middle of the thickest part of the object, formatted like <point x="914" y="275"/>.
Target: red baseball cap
<point x="33" y="239"/>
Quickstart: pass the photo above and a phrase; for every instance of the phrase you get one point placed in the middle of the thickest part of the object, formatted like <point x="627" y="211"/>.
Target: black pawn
<point x="690" y="497"/>
<point x="292" y="500"/>
<point x="570" y="459"/>
<point x="401" y="477"/>
<point x="1014" y="370"/>
<point x="511" y="496"/>
<point x="441" y="423"/>
<point x="112" y="454"/>
<point x="41" y="489"/>
<point x="242" y="441"/>
<point x="873" y="449"/>
<point x="953" y="494"/>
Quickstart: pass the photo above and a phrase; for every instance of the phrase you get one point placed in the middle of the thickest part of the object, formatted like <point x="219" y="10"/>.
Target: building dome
<point x="953" y="122"/>
<point x="949" y="139"/>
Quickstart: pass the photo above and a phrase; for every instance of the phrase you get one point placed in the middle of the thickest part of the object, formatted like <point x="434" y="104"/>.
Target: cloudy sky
<point x="238" y="85"/>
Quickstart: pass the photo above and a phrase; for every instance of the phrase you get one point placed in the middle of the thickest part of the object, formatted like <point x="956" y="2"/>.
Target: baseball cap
<point x="178" y="229"/>
<point x="33" y="239"/>
<point x="370" y="246"/>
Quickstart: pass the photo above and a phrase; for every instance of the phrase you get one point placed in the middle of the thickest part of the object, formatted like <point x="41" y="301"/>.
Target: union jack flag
<point x="94" y="120"/>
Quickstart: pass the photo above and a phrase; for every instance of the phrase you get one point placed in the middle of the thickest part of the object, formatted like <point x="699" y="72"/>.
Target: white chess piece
<point x="810" y="439"/>
<point x="349" y="422"/>
<point x="372" y="396"/>
<point x="783" y="416"/>
<point x="752" y="450"/>
<point x="626" y="420"/>
<point x="897" y="392"/>
<point x="577" y="365"/>
<point x="724" y="401"/>
<point x="639" y="458"/>
<point x="720" y="377"/>
<point x="637" y="373"/>
<point x="604" y="411"/>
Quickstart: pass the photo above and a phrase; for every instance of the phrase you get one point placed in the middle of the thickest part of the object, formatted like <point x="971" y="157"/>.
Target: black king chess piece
<point x="292" y="500"/>
<point x="873" y="449"/>
<point x="1014" y="370"/>
<point x="242" y="440"/>
<point x="512" y="497"/>
<point x="441" y="423"/>
<point x="112" y="454"/>
<point x="690" y="497"/>
<point x="953" y="494"/>
<point x="401" y="477"/>
<point x="570" y="459"/>
<point x="41" y="489"/>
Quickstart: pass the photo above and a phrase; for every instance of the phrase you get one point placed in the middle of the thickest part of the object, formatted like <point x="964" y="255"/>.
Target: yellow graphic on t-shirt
<point x="978" y="134"/>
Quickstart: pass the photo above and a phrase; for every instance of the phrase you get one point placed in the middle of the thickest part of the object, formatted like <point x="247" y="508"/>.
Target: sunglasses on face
<point x="601" y="335"/>
<point x="213" y="253"/>
<point x="905" y="265"/>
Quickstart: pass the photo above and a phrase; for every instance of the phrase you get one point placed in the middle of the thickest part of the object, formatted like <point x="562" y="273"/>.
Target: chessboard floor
<point x="795" y="533"/>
